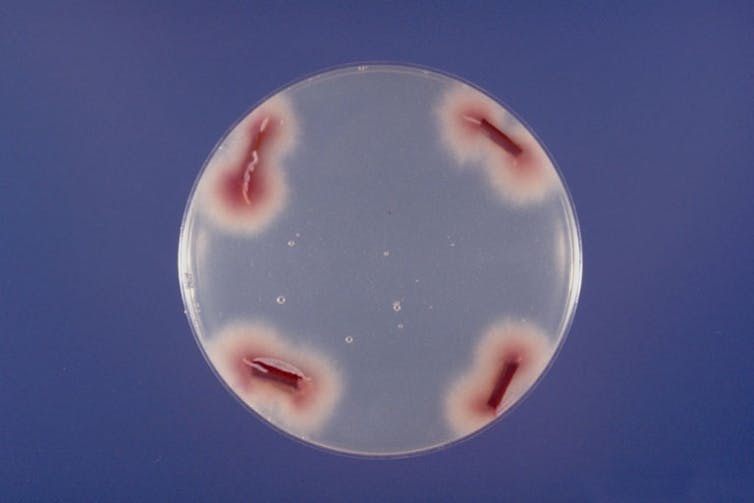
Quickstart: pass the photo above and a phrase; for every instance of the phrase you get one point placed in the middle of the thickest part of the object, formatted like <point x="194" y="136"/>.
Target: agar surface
<point x="508" y="359"/>
<point x="244" y="185"/>
<point x="288" y="386"/>
<point x="515" y="165"/>
<point x="385" y="388"/>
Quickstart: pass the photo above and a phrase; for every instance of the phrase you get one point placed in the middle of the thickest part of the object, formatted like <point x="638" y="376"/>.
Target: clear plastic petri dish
<point x="379" y="260"/>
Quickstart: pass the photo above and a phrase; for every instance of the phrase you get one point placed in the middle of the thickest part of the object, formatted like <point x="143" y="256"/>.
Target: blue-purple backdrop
<point x="107" y="113"/>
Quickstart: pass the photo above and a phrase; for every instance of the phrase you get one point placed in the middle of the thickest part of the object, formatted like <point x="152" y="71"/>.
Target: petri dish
<point x="379" y="260"/>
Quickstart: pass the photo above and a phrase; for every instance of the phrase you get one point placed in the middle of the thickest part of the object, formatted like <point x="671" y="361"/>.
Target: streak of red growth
<point x="240" y="191"/>
<point x="255" y="192"/>
<point x="500" y="139"/>
<point x="502" y="382"/>
<point x="276" y="370"/>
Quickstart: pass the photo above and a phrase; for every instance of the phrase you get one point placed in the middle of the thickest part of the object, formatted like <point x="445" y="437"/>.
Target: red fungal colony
<point x="244" y="187"/>
<point x="502" y="382"/>
<point x="508" y="360"/>
<point x="460" y="116"/>
<point x="289" y="387"/>
<point x="245" y="184"/>
<point x="471" y="126"/>
<point x="277" y="370"/>
<point x="497" y="137"/>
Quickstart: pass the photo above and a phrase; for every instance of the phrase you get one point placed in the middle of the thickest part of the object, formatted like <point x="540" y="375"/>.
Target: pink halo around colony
<point x="244" y="186"/>
<point x="516" y="166"/>
<point x="508" y="360"/>
<point x="293" y="388"/>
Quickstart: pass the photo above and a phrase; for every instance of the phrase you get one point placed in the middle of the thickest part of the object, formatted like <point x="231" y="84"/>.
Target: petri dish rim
<point x="185" y="252"/>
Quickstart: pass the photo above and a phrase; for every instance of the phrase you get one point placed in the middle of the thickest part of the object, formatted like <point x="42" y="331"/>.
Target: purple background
<point x="108" y="113"/>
